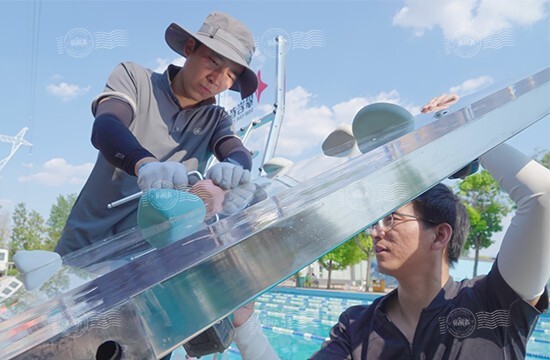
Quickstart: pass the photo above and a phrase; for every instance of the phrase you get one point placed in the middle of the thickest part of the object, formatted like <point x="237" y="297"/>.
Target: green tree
<point x="543" y="157"/>
<point x="59" y="213"/>
<point x="366" y="245"/>
<point x="4" y="228"/>
<point x="28" y="230"/>
<point x="340" y="258"/>
<point x="486" y="206"/>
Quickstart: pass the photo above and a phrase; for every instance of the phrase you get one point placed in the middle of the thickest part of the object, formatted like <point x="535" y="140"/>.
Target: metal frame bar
<point x="185" y="287"/>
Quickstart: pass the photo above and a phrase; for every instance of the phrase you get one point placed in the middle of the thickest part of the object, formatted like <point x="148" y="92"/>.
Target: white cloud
<point x="258" y="60"/>
<point x="57" y="172"/>
<point x="305" y="126"/>
<point x="229" y="99"/>
<point x="345" y="111"/>
<point x="485" y="17"/>
<point x="472" y="85"/>
<point x="67" y="91"/>
<point x="162" y="64"/>
<point x="56" y="77"/>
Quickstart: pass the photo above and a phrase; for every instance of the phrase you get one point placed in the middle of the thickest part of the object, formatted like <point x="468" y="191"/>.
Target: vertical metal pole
<point x="279" y="100"/>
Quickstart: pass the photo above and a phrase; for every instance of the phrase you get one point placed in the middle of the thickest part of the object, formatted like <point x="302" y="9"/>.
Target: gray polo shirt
<point x="480" y="318"/>
<point x="162" y="127"/>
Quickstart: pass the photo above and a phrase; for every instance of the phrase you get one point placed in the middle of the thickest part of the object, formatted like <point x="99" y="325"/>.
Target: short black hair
<point x="198" y="44"/>
<point x="441" y="205"/>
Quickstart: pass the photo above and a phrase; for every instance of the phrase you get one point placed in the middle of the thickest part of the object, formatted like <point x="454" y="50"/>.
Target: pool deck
<point x="335" y="288"/>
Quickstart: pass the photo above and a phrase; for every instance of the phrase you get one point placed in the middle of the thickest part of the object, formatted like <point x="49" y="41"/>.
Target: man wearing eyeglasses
<point x="429" y="315"/>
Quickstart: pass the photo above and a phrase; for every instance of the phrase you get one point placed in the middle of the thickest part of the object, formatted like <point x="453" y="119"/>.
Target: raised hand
<point x="440" y="103"/>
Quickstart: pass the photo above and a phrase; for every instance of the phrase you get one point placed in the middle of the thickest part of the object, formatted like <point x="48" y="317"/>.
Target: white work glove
<point x="228" y="176"/>
<point x="159" y="175"/>
<point x="238" y="198"/>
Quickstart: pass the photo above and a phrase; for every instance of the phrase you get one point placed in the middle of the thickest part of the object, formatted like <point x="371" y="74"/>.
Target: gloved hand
<point x="212" y="196"/>
<point x="158" y="175"/>
<point x="238" y="198"/>
<point x="228" y="176"/>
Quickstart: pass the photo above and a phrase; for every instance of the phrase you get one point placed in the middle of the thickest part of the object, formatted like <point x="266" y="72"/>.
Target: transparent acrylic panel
<point x="178" y="290"/>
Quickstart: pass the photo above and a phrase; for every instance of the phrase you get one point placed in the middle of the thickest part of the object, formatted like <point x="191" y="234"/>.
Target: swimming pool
<point x="297" y="321"/>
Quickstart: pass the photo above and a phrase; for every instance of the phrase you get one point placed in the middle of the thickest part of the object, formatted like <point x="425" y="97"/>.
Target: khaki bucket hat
<point x="228" y="37"/>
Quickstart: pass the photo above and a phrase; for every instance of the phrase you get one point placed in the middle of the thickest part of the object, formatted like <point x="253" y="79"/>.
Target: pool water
<point x="297" y="321"/>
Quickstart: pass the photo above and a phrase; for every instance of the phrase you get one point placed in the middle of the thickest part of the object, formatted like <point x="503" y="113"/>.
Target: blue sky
<point x="342" y="55"/>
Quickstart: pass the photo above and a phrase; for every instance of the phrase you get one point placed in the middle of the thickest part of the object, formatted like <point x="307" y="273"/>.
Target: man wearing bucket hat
<point x="152" y="129"/>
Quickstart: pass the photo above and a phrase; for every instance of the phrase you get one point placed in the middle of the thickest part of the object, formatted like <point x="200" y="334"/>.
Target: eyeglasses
<point x="388" y="222"/>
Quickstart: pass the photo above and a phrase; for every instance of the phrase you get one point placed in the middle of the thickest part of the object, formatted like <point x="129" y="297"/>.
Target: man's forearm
<point x="117" y="144"/>
<point x="112" y="137"/>
<point x="251" y="341"/>
<point x="231" y="149"/>
<point x="523" y="256"/>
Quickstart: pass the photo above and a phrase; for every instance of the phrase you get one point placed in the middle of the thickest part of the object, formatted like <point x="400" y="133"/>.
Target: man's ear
<point x="443" y="233"/>
<point x="189" y="46"/>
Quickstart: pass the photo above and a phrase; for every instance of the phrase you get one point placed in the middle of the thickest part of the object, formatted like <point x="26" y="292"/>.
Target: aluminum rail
<point x="147" y="305"/>
<point x="275" y="129"/>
